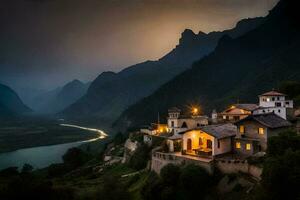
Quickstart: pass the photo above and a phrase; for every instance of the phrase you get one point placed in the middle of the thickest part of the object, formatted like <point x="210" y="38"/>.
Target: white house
<point x="178" y="123"/>
<point x="274" y="102"/>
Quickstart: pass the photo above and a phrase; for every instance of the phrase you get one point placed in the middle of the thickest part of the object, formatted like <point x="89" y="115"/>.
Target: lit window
<point x="248" y="147"/>
<point x="261" y="131"/>
<point x="224" y="116"/>
<point x="242" y="129"/>
<point x="268" y="99"/>
<point x="238" y="145"/>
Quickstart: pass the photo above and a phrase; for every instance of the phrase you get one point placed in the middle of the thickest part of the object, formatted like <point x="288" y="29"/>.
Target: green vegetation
<point x="281" y="172"/>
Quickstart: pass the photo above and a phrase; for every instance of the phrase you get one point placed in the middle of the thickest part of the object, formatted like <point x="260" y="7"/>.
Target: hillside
<point x="10" y="103"/>
<point x="58" y="99"/>
<point x="238" y="69"/>
<point x="111" y="93"/>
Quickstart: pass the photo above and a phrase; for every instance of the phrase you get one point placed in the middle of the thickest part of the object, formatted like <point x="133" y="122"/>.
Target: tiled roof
<point x="246" y="106"/>
<point x="270" y="120"/>
<point x="218" y="131"/>
<point x="272" y="93"/>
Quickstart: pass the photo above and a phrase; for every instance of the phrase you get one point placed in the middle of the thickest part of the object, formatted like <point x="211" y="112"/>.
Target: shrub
<point x="152" y="188"/>
<point x="281" y="176"/>
<point x="195" y="180"/>
<point x="170" y="174"/>
<point x="112" y="189"/>
<point x="140" y="157"/>
<point x="75" y="157"/>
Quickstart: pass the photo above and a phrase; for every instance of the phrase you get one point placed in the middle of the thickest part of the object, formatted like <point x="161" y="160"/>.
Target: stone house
<point x="254" y="131"/>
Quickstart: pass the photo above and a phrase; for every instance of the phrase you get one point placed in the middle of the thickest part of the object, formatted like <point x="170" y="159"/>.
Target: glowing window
<point x="268" y="99"/>
<point x="224" y="116"/>
<point x="242" y="129"/>
<point x="261" y="131"/>
<point x="248" y="146"/>
<point x="238" y="145"/>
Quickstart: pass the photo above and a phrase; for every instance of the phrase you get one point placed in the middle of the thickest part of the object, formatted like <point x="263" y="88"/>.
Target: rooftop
<point x="269" y="120"/>
<point x="218" y="131"/>
<point x="174" y="109"/>
<point x="272" y="93"/>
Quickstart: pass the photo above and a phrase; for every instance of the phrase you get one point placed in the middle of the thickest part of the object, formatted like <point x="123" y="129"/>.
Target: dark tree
<point x="170" y="175"/>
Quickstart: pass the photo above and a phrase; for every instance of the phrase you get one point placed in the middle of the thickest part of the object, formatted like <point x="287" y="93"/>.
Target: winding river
<point x="43" y="156"/>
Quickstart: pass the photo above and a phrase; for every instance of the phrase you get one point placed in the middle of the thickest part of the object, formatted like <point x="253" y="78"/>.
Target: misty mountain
<point x="238" y="69"/>
<point x="10" y="103"/>
<point x="111" y="93"/>
<point x="58" y="99"/>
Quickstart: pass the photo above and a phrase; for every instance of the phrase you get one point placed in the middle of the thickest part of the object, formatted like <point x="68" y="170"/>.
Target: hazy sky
<point x="49" y="42"/>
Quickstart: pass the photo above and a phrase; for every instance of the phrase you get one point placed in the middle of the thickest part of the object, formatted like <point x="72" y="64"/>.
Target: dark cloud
<point x="48" y="42"/>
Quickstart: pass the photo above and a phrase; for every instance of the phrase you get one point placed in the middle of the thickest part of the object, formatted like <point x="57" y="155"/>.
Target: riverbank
<point x="27" y="134"/>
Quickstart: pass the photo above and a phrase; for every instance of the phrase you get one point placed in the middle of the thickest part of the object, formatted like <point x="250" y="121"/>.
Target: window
<point x="242" y="129"/>
<point x="261" y="131"/>
<point x="268" y="99"/>
<point x="218" y="144"/>
<point x="279" y="111"/>
<point x="273" y="98"/>
<point x="198" y="124"/>
<point x="278" y="98"/>
<point x="248" y="147"/>
<point x="278" y="104"/>
<point x="224" y="116"/>
<point x="287" y="103"/>
<point x="172" y="123"/>
<point x="238" y="145"/>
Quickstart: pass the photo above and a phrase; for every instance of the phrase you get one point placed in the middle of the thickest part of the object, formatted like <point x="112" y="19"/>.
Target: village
<point x="226" y="140"/>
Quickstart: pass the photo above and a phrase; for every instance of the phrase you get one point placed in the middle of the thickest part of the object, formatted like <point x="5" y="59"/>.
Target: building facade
<point x="274" y="102"/>
<point x="253" y="132"/>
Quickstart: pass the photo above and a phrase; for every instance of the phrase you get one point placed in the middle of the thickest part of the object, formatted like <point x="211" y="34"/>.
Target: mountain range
<point x="111" y="93"/>
<point x="10" y="102"/>
<point x="238" y="69"/>
<point x="53" y="101"/>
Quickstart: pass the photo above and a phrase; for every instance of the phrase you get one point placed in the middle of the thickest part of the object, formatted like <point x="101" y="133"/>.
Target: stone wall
<point x="236" y="166"/>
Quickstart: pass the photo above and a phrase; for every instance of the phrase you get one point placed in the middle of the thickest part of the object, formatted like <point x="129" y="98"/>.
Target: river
<point x="43" y="156"/>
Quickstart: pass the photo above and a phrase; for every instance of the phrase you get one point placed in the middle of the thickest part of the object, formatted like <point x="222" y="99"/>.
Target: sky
<point x="46" y="43"/>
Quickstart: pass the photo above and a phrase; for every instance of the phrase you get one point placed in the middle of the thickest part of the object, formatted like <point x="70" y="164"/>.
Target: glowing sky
<point x="49" y="42"/>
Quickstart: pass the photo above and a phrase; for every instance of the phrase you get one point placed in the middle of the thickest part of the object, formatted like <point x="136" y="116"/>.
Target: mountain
<point x="111" y="93"/>
<point x="10" y="103"/>
<point x="58" y="99"/>
<point x="238" y="69"/>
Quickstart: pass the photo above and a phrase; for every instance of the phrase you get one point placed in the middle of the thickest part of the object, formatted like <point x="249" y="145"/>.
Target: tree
<point x="277" y="145"/>
<point x="195" y="181"/>
<point x="152" y="187"/>
<point x="140" y="157"/>
<point x="75" y="157"/>
<point x="170" y="174"/>
<point x="281" y="176"/>
<point x="27" y="168"/>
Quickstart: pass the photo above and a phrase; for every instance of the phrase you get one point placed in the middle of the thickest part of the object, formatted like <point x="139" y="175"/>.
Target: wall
<point x="236" y="166"/>
<point x="251" y="131"/>
<point x="159" y="160"/>
<point x="194" y="136"/>
<point x="225" y="146"/>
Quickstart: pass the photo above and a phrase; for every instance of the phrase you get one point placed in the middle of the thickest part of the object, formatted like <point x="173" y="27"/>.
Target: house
<point x="208" y="141"/>
<point x="254" y="131"/>
<point x="274" y="102"/>
<point x="236" y="112"/>
<point x="155" y="129"/>
<point x="177" y="122"/>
